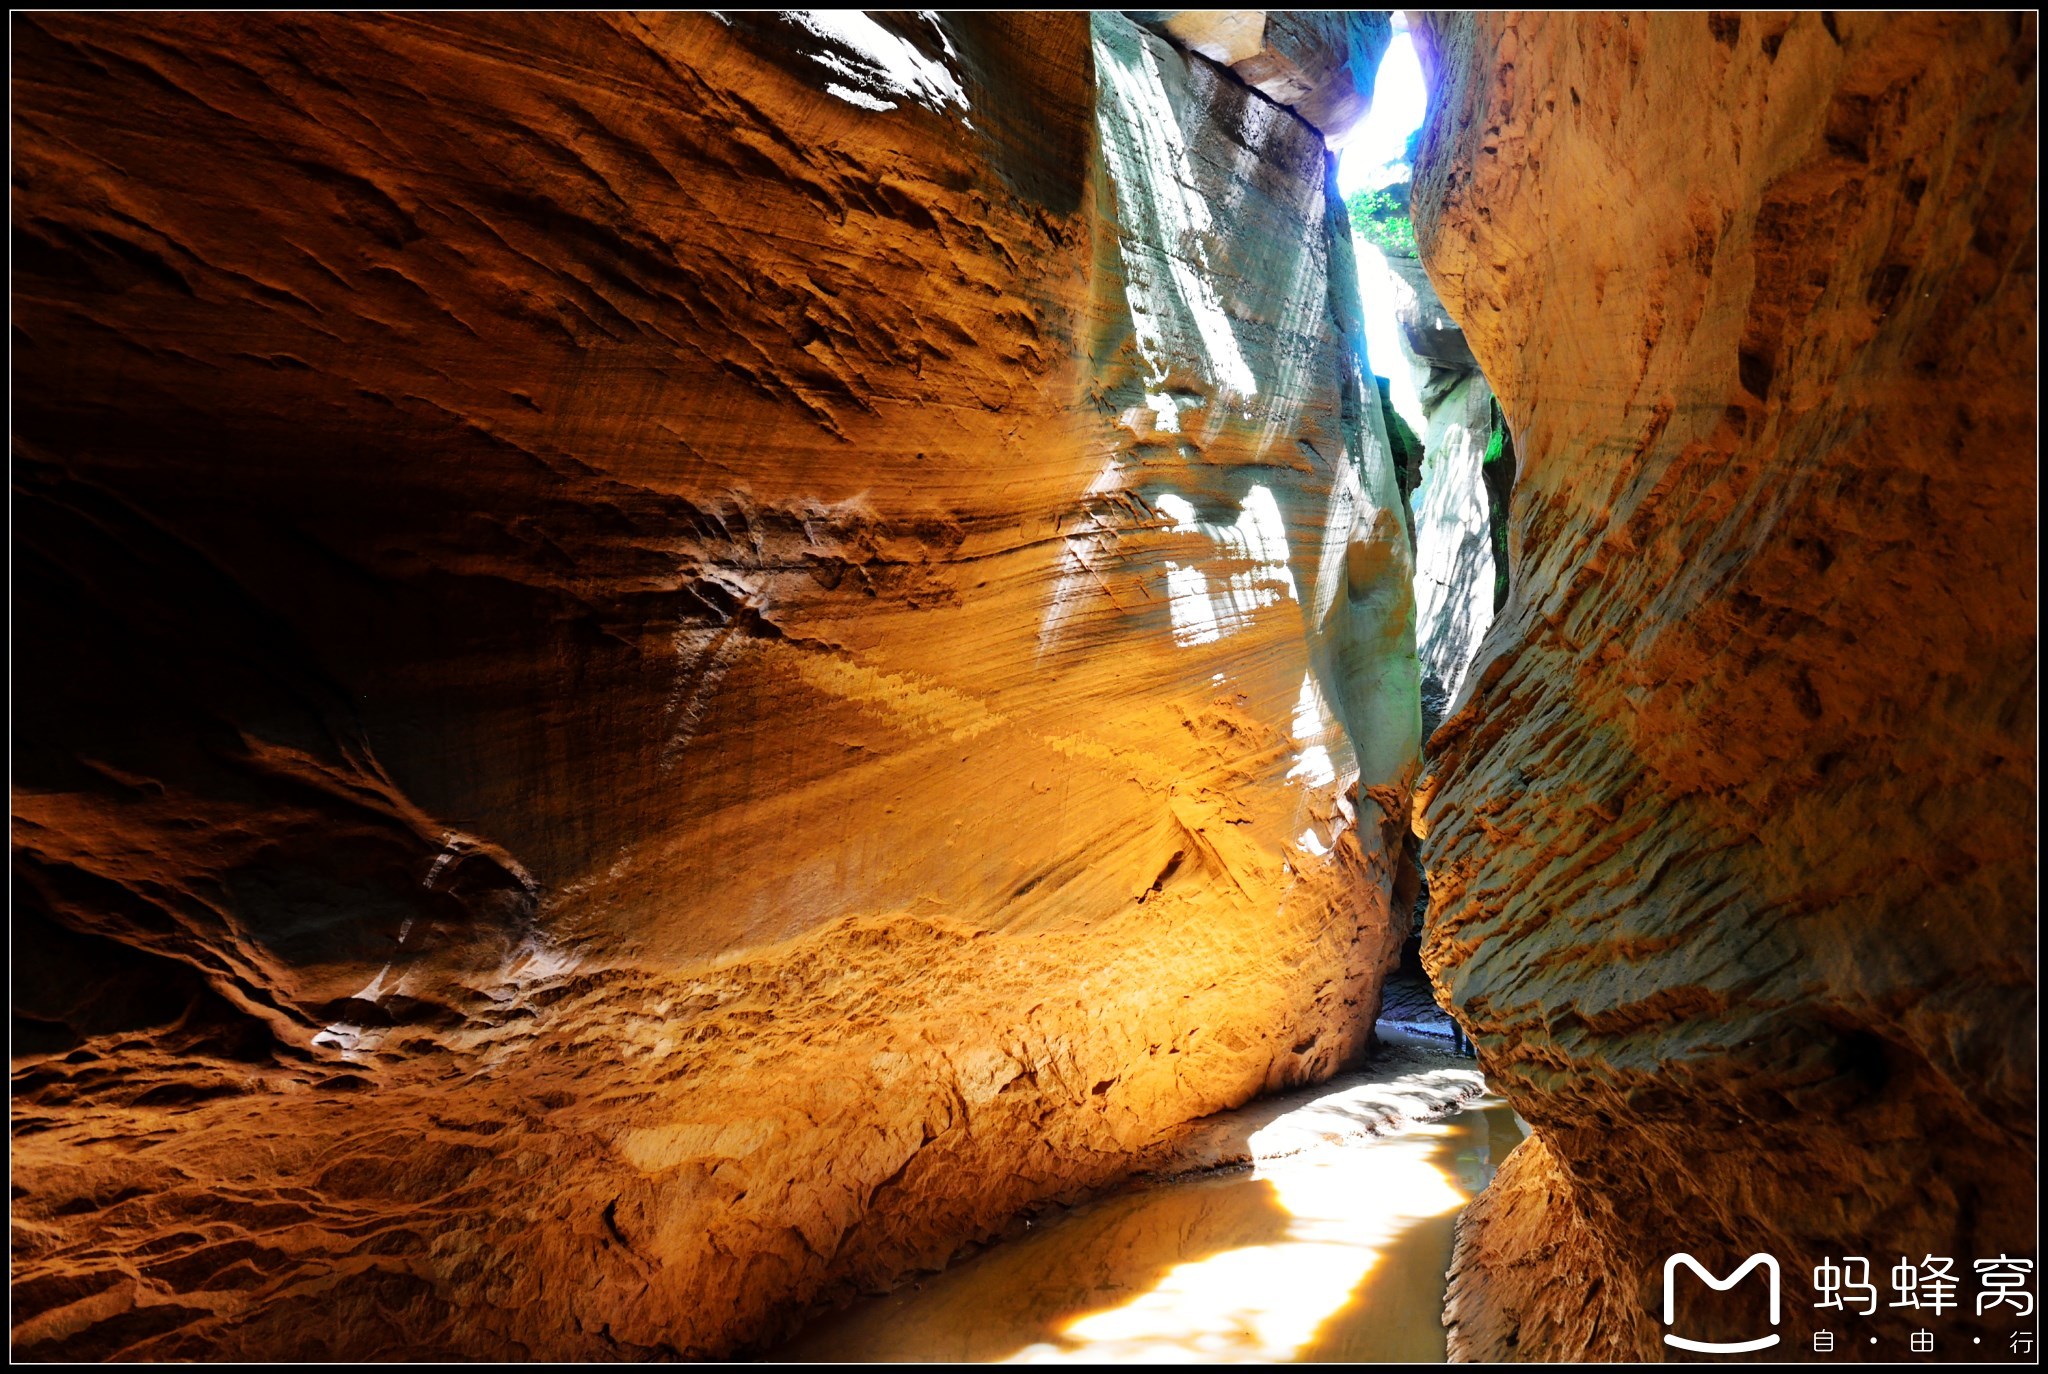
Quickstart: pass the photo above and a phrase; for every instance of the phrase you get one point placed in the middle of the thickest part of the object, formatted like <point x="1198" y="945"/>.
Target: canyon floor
<point x="1314" y="1226"/>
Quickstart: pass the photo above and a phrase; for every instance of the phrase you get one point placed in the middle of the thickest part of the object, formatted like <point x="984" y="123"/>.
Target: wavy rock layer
<point x="1732" y="847"/>
<point x="667" y="665"/>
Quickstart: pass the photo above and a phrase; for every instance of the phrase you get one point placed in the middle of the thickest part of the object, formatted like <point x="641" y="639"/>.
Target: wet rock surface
<point x="1731" y="839"/>
<point x="675" y="661"/>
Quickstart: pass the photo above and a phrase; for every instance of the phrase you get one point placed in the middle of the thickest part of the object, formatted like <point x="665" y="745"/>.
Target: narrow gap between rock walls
<point x="1451" y="448"/>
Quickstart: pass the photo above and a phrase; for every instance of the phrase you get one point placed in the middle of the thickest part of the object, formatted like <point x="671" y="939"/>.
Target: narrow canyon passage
<point x="872" y="685"/>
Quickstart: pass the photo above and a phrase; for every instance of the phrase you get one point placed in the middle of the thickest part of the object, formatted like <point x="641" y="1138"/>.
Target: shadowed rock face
<point x="666" y="665"/>
<point x="1459" y="500"/>
<point x="1318" y="63"/>
<point x="1731" y="844"/>
<point x="1454" y="574"/>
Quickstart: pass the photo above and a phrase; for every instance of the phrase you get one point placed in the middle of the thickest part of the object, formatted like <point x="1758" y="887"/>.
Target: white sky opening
<point x="1375" y="156"/>
<point x="1399" y="101"/>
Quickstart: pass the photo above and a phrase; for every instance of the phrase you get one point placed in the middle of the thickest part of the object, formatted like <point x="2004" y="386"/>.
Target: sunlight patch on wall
<point x="1257" y="541"/>
<point x="878" y="64"/>
<point x="1312" y="731"/>
<point x="1162" y="211"/>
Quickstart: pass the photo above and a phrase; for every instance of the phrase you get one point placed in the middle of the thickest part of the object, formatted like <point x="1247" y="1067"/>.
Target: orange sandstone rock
<point x="666" y="663"/>
<point x="1731" y="840"/>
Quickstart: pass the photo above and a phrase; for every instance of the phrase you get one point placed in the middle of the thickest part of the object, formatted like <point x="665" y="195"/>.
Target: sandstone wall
<point x="1318" y="63"/>
<point x="1732" y="842"/>
<point x="1454" y="574"/>
<point x="1458" y="509"/>
<point x="665" y="664"/>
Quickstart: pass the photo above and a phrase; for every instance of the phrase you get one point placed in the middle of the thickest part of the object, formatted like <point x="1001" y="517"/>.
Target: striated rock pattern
<point x="1732" y="842"/>
<point x="1454" y="572"/>
<point x="668" y="662"/>
<point x="1532" y="1276"/>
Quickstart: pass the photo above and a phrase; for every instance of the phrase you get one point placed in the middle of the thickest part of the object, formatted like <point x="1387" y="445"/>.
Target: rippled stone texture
<point x="667" y="663"/>
<point x="1732" y="845"/>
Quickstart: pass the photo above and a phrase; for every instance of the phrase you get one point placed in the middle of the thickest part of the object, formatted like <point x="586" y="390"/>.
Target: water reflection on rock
<point x="1335" y="1253"/>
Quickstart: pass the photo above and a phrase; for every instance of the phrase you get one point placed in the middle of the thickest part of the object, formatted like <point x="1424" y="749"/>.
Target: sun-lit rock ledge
<point x="1319" y="63"/>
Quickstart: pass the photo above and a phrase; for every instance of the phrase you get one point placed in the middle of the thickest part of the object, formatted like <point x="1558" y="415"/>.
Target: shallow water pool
<point x="1336" y="1253"/>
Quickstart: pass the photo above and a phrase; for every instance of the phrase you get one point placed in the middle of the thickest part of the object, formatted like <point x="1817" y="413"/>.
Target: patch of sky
<point x="1376" y="152"/>
<point x="1375" y="156"/>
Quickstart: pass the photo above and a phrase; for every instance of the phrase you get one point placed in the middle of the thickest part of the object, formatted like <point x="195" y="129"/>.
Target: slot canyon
<point x="673" y="670"/>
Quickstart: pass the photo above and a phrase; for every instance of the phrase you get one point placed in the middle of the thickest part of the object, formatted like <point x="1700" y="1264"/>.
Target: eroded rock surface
<point x="1458" y="504"/>
<point x="1731" y="844"/>
<point x="1319" y="63"/>
<point x="667" y="663"/>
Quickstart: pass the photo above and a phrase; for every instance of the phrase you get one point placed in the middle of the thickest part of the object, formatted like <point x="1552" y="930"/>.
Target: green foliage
<point x="1499" y="476"/>
<point x="1407" y="448"/>
<point x="1383" y="220"/>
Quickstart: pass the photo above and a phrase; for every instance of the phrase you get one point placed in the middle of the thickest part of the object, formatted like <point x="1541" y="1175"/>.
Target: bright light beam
<point x="1267" y="1302"/>
<point x="1399" y="102"/>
